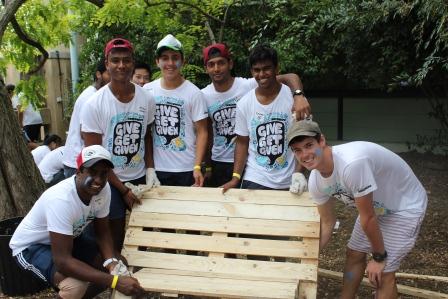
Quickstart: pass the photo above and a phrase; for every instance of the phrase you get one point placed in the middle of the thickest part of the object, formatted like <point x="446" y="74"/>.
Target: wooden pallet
<point x="244" y="244"/>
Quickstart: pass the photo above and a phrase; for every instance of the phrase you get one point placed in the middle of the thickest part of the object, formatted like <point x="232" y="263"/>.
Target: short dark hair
<point x="100" y="67"/>
<point x="303" y="137"/>
<point x="52" y="138"/>
<point x="263" y="53"/>
<point x="142" y="65"/>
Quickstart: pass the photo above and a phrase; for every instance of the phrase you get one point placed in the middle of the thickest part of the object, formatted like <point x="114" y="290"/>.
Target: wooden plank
<point x="223" y="267"/>
<point x="216" y="287"/>
<point x="217" y="254"/>
<point x="274" y="197"/>
<point x="226" y="224"/>
<point x="276" y="248"/>
<point x="238" y="210"/>
<point x="402" y="289"/>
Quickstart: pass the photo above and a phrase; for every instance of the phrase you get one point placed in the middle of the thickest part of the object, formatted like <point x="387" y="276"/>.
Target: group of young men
<point x="246" y="133"/>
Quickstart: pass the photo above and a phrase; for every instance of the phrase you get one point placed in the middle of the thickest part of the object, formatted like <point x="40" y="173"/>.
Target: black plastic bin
<point x="14" y="281"/>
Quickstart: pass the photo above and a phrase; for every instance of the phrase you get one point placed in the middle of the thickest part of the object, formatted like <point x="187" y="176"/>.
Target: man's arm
<point x="68" y="266"/>
<point x="327" y="222"/>
<point x="241" y="152"/>
<point x="149" y="155"/>
<point x="301" y="106"/>
<point x="201" y="148"/>
<point x="208" y="154"/>
<point x="128" y="196"/>
<point x="371" y="228"/>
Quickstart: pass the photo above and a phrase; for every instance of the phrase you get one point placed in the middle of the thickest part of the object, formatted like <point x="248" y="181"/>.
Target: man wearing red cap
<point x="118" y="116"/>
<point x="50" y="241"/>
<point x="221" y="96"/>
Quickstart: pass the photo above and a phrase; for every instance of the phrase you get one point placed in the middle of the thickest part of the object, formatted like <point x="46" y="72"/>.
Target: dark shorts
<point x="32" y="131"/>
<point x="117" y="205"/>
<point x="69" y="171"/>
<point x="221" y="173"/>
<point x="251" y="185"/>
<point x="175" y="178"/>
<point x="59" y="176"/>
<point x="39" y="260"/>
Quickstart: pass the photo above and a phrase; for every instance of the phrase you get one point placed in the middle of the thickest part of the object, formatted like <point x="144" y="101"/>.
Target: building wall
<point x="394" y="120"/>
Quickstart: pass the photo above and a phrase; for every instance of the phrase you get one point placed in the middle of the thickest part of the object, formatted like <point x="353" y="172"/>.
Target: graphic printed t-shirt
<point x="270" y="162"/>
<point x="122" y="126"/>
<point x="173" y="130"/>
<point x="363" y="167"/>
<point x="74" y="143"/>
<point x="222" y="109"/>
<point x="51" y="164"/>
<point x="59" y="210"/>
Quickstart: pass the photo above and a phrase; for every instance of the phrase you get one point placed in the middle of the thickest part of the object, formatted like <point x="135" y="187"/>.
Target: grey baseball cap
<point x="302" y="128"/>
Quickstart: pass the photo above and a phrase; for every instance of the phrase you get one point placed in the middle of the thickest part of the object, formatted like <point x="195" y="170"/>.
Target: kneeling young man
<point x="390" y="200"/>
<point x="49" y="240"/>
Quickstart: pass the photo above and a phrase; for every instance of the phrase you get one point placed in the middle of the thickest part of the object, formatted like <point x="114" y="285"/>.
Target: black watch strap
<point x="379" y="257"/>
<point x="298" y="92"/>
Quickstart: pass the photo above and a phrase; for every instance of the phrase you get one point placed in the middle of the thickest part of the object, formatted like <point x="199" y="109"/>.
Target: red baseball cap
<point x="222" y="48"/>
<point x="118" y="43"/>
<point x="93" y="154"/>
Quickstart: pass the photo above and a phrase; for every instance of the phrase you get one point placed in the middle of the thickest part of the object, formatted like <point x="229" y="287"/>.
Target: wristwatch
<point x="379" y="257"/>
<point x="298" y="92"/>
<point x="109" y="261"/>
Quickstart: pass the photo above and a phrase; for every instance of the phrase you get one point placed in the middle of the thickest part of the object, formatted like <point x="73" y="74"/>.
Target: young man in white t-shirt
<point x="29" y="118"/>
<point x="118" y="116"/>
<point x="263" y="117"/>
<point x="180" y="127"/>
<point x="390" y="200"/>
<point x="74" y="142"/>
<point x="50" y="241"/>
<point x="221" y="96"/>
<point x="51" y="167"/>
<point x="50" y="143"/>
<point x="141" y="74"/>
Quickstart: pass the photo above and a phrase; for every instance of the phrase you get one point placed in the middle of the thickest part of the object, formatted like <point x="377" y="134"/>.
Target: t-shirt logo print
<point x="225" y="122"/>
<point x="270" y="140"/>
<point x="127" y="139"/>
<point x="167" y="122"/>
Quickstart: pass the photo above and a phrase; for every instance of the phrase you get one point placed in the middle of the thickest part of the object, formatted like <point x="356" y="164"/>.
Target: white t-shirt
<point x="74" y="142"/>
<point x="59" y="210"/>
<point x="51" y="164"/>
<point x="173" y="131"/>
<point x="222" y="109"/>
<point x="363" y="167"/>
<point x="270" y="162"/>
<point x="122" y="126"/>
<point x="30" y="115"/>
<point x="39" y="153"/>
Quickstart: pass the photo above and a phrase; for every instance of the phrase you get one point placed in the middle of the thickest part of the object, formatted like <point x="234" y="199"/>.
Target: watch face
<point x="297" y="92"/>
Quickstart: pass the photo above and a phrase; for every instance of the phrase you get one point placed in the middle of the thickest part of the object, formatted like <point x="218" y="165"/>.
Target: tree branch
<point x="210" y="32"/>
<point x="186" y="3"/>
<point x="99" y="3"/>
<point x="24" y="37"/>
<point x="8" y="13"/>
<point x="223" y="23"/>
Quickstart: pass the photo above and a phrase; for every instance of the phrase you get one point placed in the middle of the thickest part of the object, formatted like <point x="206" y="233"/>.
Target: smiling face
<point x="90" y="181"/>
<point x="141" y="76"/>
<point x="120" y="65"/>
<point x="170" y="63"/>
<point x="309" y="151"/>
<point x="265" y="73"/>
<point x="218" y="69"/>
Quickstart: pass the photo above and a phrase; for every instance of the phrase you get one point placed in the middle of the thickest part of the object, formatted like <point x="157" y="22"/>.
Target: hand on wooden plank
<point x="298" y="183"/>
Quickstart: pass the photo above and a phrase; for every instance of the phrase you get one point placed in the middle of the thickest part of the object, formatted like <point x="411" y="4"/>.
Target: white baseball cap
<point x="169" y="42"/>
<point x="93" y="154"/>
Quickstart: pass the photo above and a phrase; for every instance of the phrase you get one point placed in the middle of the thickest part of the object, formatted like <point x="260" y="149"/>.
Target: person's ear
<point x="230" y="64"/>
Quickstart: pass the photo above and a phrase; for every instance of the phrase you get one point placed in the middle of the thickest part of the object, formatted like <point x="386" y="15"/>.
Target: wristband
<point x="197" y="167"/>
<point x="109" y="261"/>
<point x="114" y="282"/>
<point x="208" y="169"/>
<point x="236" y="175"/>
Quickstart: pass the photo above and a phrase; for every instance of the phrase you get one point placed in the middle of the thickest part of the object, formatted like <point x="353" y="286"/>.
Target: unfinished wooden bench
<point x="243" y="244"/>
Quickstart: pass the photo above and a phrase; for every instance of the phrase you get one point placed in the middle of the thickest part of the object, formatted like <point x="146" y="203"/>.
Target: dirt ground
<point x="430" y="255"/>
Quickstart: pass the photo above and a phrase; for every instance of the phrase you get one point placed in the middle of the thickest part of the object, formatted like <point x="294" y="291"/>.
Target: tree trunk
<point x="20" y="181"/>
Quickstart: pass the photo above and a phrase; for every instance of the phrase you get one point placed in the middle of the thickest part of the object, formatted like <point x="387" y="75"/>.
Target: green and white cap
<point x="169" y="42"/>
